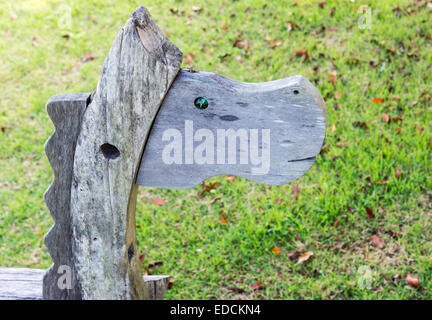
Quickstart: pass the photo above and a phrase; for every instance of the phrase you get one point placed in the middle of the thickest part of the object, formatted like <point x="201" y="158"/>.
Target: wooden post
<point x="95" y="154"/>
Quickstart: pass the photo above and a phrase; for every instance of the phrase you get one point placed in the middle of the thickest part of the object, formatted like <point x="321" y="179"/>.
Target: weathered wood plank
<point x="21" y="284"/>
<point x="66" y="112"/>
<point x="291" y="110"/>
<point x="136" y="75"/>
<point x="156" y="286"/>
<point x="26" y="284"/>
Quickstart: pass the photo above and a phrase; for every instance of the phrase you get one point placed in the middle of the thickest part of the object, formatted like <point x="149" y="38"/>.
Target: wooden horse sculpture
<point x="152" y="124"/>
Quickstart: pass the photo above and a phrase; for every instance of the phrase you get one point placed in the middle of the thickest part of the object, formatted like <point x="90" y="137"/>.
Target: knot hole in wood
<point x="109" y="151"/>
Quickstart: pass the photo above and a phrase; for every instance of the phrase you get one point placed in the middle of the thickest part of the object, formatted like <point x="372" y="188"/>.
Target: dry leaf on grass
<point x="295" y="191"/>
<point x="258" y="286"/>
<point x="305" y="256"/>
<point x="142" y="257"/>
<point x="189" y="58"/>
<point x="230" y="177"/>
<point x="413" y="282"/>
<point x="159" y="201"/>
<point x="381" y="182"/>
<point x="385" y="117"/>
<point x="333" y="77"/>
<point x="210" y="186"/>
<point x="369" y="212"/>
<point x="377" y="100"/>
<point x="377" y="241"/>
<point x="398" y="173"/>
<point x="276" y="250"/>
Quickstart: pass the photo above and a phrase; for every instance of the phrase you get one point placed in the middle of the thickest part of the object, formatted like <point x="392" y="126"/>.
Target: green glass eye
<point x="201" y="103"/>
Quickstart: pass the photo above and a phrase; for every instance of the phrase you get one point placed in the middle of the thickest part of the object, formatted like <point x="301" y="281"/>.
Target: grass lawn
<point x="365" y="207"/>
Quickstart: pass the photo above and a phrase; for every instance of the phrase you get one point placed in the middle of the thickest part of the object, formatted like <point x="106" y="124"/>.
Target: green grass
<point x="205" y="257"/>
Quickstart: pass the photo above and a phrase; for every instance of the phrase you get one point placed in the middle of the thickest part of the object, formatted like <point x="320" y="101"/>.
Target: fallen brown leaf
<point x="377" y="241"/>
<point x="332" y="11"/>
<point x="159" y="201"/>
<point x="333" y="77"/>
<point x="189" y="58"/>
<point x="377" y="100"/>
<point x="214" y="200"/>
<point x="398" y="173"/>
<point x="336" y="223"/>
<point x="303" y="53"/>
<point x="360" y="124"/>
<point x="362" y="8"/>
<point x="230" y="178"/>
<point x="385" y="117"/>
<point x="142" y="257"/>
<point x="305" y="256"/>
<point x="276" y="250"/>
<point x="295" y="191"/>
<point x="87" y="57"/>
<point x="300" y="52"/>
<point x="290" y="26"/>
<point x="413" y="282"/>
<point x="369" y="212"/>
<point x="238" y="43"/>
<point x="338" y="246"/>
<point x="275" y="43"/>
<point x="257" y="286"/>
<point x="381" y="182"/>
<point x="210" y="186"/>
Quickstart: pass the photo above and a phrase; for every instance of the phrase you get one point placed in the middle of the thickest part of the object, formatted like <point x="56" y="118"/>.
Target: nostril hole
<point x="296" y="92"/>
<point x="109" y="151"/>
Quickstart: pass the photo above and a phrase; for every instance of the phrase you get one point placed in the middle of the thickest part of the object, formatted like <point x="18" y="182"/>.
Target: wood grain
<point x="21" y="284"/>
<point x="291" y="109"/>
<point x="66" y="112"/>
<point x="26" y="284"/>
<point x="136" y="75"/>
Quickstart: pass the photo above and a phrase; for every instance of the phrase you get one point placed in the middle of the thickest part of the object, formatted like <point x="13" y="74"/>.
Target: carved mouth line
<point x="304" y="159"/>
